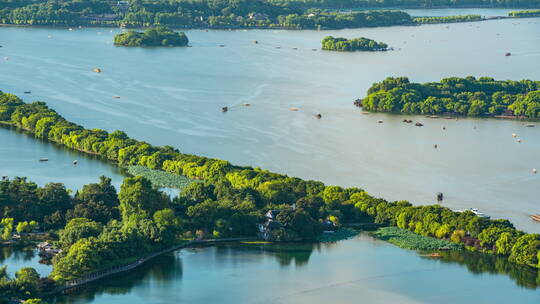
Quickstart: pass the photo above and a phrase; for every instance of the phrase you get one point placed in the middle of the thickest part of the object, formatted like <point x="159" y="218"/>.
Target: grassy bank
<point x="410" y="240"/>
<point x="160" y="178"/>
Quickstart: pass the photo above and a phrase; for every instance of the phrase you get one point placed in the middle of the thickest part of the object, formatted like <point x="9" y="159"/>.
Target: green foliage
<point x="78" y="228"/>
<point x="338" y="235"/>
<point x="159" y="36"/>
<point x="233" y="199"/>
<point x="160" y="178"/>
<point x="447" y="19"/>
<point x="456" y="96"/>
<point x="330" y="43"/>
<point x="6" y="224"/>
<point x="25" y="285"/>
<point x="526" y="249"/>
<point x="524" y="14"/>
<point x="409" y="240"/>
<point x="139" y="199"/>
<point x="27" y="227"/>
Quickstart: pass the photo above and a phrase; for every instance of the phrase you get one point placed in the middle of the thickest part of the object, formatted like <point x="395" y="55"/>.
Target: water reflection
<point x="476" y="263"/>
<point x="162" y="271"/>
<point x="25" y="254"/>
<point x="166" y="274"/>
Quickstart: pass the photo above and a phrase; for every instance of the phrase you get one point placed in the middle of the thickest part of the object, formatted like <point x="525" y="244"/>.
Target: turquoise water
<point x="358" y="270"/>
<point x="17" y="258"/>
<point x="174" y="96"/>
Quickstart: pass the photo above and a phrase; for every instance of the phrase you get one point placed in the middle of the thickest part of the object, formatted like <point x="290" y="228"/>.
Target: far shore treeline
<point x="159" y="36"/>
<point x="330" y="43"/>
<point x="467" y="96"/>
<point x="98" y="228"/>
<point x="293" y="14"/>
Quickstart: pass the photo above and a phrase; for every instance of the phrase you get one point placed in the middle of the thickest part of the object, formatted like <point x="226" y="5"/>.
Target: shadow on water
<point x="163" y="271"/>
<point x="286" y="254"/>
<point x="480" y="264"/>
<point x="167" y="270"/>
<point x="24" y="254"/>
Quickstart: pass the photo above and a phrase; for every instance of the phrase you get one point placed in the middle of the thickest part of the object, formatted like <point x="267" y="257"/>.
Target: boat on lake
<point x="476" y="212"/>
<point x="536" y="217"/>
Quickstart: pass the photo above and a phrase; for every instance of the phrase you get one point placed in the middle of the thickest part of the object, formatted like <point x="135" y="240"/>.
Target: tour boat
<point x="536" y="217"/>
<point x="419" y="124"/>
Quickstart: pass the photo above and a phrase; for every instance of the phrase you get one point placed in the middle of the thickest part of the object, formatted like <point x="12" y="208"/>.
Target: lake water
<point x="174" y="96"/>
<point x="357" y="270"/>
<point x="17" y="258"/>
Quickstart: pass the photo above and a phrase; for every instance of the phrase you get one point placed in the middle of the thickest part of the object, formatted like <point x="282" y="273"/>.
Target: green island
<point x="447" y="19"/>
<point x="525" y="14"/>
<point x="97" y="228"/>
<point x="159" y="36"/>
<point x="483" y="97"/>
<point x="330" y="43"/>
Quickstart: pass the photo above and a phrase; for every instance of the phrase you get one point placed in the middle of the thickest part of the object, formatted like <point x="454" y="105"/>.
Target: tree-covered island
<point x="98" y="227"/>
<point x="330" y="43"/>
<point x="159" y="36"/>
<point x="468" y="96"/>
<point x="525" y="14"/>
<point x="447" y="19"/>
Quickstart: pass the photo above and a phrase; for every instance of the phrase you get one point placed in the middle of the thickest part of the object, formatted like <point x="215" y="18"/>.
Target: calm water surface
<point x="174" y="96"/>
<point x="345" y="272"/>
<point x="17" y="258"/>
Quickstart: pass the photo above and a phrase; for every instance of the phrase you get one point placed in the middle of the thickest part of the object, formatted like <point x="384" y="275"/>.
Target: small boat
<point x="278" y="47"/>
<point x="380" y="121"/>
<point x="507" y="54"/>
<point x="224" y="109"/>
<point x="434" y="116"/>
<point x="246" y="104"/>
<point x="96" y="70"/>
<point x="75" y="162"/>
<point x="27" y="92"/>
<point x="222" y="45"/>
<point x="514" y="135"/>
<point x="444" y="128"/>
<point x="364" y="113"/>
<point x="319" y="116"/>
<point x="116" y="97"/>
<point x="534" y="171"/>
<point x="519" y="140"/>
<point x="435" y="255"/>
<point x="478" y="213"/>
<point x="255" y="41"/>
<point x="435" y="146"/>
<point x="43" y="159"/>
<point x="419" y="124"/>
<point x="530" y="126"/>
<point x="536" y="217"/>
<point x="440" y="196"/>
<point x="295" y="48"/>
<point x="294" y="109"/>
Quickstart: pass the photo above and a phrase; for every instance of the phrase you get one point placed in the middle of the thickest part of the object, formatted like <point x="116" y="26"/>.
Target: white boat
<point x="476" y="212"/>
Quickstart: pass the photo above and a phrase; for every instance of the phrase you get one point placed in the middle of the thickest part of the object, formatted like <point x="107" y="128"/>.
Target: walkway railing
<point x="124" y="268"/>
